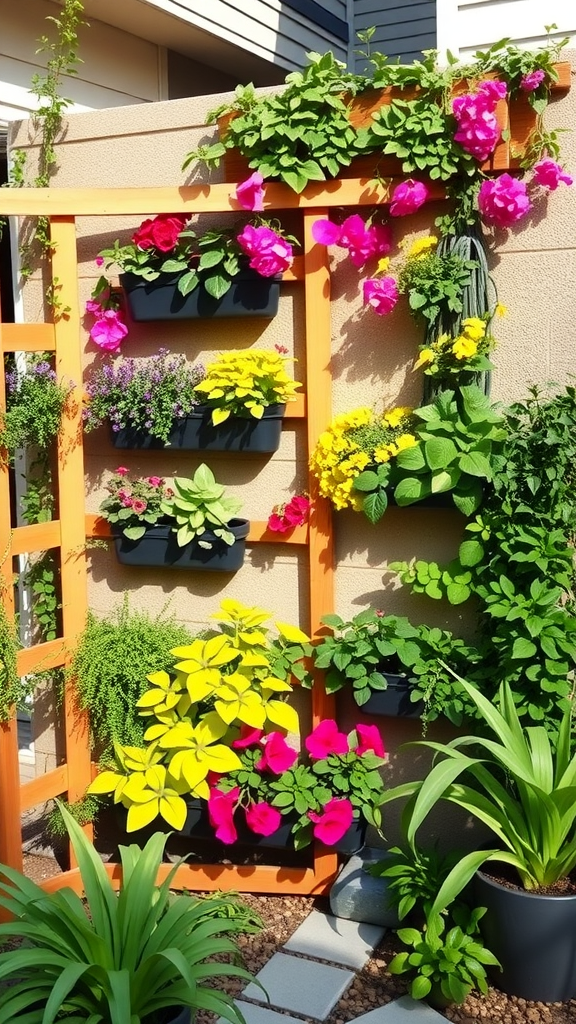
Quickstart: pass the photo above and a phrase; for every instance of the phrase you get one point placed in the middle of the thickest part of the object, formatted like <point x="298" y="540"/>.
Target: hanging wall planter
<point x="394" y="701"/>
<point x="250" y="295"/>
<point x="196" y="432"/>
<point x="158" y="548"/>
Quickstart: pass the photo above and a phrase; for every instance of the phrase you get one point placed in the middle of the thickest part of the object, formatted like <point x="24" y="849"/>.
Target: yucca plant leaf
<point x="100" y="896"/>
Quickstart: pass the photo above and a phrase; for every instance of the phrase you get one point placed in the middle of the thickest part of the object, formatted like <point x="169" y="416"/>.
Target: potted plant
<point x="520" y="784"/>
<point x="97" y="958"/>
<point x="35" y="402"/>
<point x="169" y="272"/>
<point x="191" y="525"/>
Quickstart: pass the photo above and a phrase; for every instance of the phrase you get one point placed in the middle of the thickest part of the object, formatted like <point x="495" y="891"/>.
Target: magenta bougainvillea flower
<point x="334" y="820"/>
<point x="263" y="819"/>
<point x="531" y="81"/>
<point x="250" y="193"/>
<point x="221" y="807"/>
<point x="478" y="129"/>
<point x="109" y="330"/>
<point x="381" y="293"/>
<point x="361" y="240"/>
<point x="502" y="201"/>
<point x="408" y="197"/>
<point x="277" y="755"/>
<point x="549" y="174"/>
<point x="326" y="739"/>
<point x="286" y="517"/>
<point x="269" y="253"/>
<point x="369" y="740"/>
<point x="160" y="232"/>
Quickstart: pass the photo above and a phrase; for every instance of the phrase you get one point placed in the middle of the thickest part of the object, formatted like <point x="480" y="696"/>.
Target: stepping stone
<point x="329" y="938"/>
<point x="260" y="1015"/>
<point x="357" y="896"/>
<point x="402" y="1011"/>
<point x="301" y="986"/>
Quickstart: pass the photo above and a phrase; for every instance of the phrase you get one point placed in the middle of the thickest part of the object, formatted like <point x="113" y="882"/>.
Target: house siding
<point x="403" y="28"/>
<point x="468" y="25"/>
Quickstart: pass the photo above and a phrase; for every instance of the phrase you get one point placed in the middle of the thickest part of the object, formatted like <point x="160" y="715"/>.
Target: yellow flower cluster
<point x="445" y="350"/>
<point x="354" y="441"/>
<point x="422" y="246"/>
<point x="250" y="381"/>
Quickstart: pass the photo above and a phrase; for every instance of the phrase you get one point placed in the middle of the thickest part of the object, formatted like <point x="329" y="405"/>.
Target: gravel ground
<point x="372" y="987"/>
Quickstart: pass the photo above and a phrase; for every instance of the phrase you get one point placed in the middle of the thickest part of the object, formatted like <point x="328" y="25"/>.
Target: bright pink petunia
<point x="221" y="807"/>
<point x="94" y="307"/>
<point x="531" y="81"/>
<point x="269" y="253"/>
<point x="326" y="739"/>
<point x="248" y="737"/>
<point x="250" y="193"/>
<point x="502" y="201"/>
<point x="408" y="197"/>
<point x="325" y="232"/>
<point x="263" y="819"/>
<point x="478" y="129"/>
<point x="295" y="513"/>
<point x="277" y="755"/>
<point x="109" y="331"/>
<point x="122" y="471"/>
<point x="369" y="740"/>
<point x="381" y="293"/>
<point x="336" y="818"/>
<point x="155" y="481"/>
<point x="363" y="242"/>
<point x="549" y="174"/>
<point x="99" y="261"/>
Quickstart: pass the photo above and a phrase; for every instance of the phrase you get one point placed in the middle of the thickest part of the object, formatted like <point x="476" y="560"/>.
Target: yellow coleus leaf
<point x="251" y="659"/>
<point x="283" y="715"/>
<point x="220" y="758"/>
<point x="292" y="633"/>
<point x="219" y="416"/>
<point x="161" y="679"/>
<point x="173" y="809"/>
<point x="150" y="699"/>
<point x="140" y="815"/>
<point x="234" y="611"/>
<point x="255" y="638"/>
<point x="278" y="685"/>
<point x="257" y="411"/>
<point x="185" y="765"/>
<point x="105" y="782"/>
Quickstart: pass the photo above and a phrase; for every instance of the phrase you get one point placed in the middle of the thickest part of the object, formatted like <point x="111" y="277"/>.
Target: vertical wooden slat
<point x="71" y="491"/>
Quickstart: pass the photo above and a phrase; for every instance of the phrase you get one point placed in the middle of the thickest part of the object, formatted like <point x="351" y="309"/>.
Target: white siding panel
<point x="468" y="25"/>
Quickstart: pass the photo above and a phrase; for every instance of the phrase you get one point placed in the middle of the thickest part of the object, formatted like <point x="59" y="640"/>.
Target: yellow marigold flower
<point x="474" y="328"/>
<point x="426" y="358"/>
<point x="395" y="416"/>
<point x="383" y="264"/>
<point x="464" y="348"/>
<point x="405" y="441"/>
<point x="382" y="454"/>
<point x="500" y="309"/>
<point x="422" y="246"/>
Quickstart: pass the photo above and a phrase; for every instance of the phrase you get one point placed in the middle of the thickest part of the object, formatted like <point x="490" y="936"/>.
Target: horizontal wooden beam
<point x="43" y="656"/>
<point x="96" y="526"/>
<point x="114" y="202"/>
<point x="27" y="337"/>
<point x="44" y="788"/>
<point x="38" y="537"/>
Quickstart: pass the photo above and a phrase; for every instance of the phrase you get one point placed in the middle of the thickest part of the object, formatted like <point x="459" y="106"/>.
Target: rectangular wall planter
<point x="352" y="840"/>
<point x="158" y="549"/>
<point x="249" y="295"/>
<point x="196" y="432"/>
<point x="394" y="701"/>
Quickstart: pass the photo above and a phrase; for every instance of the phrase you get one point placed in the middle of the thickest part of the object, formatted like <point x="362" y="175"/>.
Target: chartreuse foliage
<point x="245" y="384"/>
<point x="219" y="683"/>
<point x="125" y="956"/>
<point x="199" y="505"/>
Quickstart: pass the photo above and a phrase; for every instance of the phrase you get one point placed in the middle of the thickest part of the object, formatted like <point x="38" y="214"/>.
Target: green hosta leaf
<point x="366" y="481"/>
<point x="468" y="502"/>
<point x="440" y="452"/>
<point x="445" y="480"/>
<point x="412" y="459"/>
<point x="188" y="282"/>
<point x="523" y="648"/>
<point x="411" y="489"/>
<point x="475" y="464"/>
<point x="134" y="532"/>
<point x="211" y="258"/>
<point x="375" y="505"/>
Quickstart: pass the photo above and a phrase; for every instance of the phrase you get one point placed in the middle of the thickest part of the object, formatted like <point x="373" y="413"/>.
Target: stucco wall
<point x="534" y="269"/>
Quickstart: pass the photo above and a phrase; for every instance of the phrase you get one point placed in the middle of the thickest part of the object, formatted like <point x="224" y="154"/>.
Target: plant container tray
<point x="196" y="432"/>
<point x="158" y="548"/>
<point x="394" y="701"/>
<point x="250" y="295"/>
<point x="352" y="840"/>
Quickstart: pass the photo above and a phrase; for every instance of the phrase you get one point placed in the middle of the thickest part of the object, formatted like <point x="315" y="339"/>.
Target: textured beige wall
<point x="534" y="269"/>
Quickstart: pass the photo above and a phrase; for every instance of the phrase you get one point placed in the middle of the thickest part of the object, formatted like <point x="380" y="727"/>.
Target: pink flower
<point x="94" y="307"/>
<point x="269" y="253"/>
<point x="369" y="740"/>
<point x="221" y="807"/>
<point x="478" y="129"/>
<point x="407" y="197"/>
<point x="336" y="818"/>
<point x="99" y="261"/>
<point x="139" y="506"/>
<point x="326" y="739"/>
<point x="295" y="513"/>
<point x="325" y="232"/>
<point x="155" y="481"/>
<point x="531" y="81"/>
<point x="363" y="242"/>
<point x="127" y="501"/>
<point x="549" y="174"/>
<point x="109" y="330"/>
<point x="277" y="756"/>
<point x="263" y="819"/>
<point x="492" y="90"/>
<point x="122" y="471"/>
<point x="381" y="293"/>
<point x="503" y="200"/>
<point x="248" y="737"/>
<point x="250" y="193"/>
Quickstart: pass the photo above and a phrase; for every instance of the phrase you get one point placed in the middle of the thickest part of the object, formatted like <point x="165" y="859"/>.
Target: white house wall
<point x="467" y="25"/>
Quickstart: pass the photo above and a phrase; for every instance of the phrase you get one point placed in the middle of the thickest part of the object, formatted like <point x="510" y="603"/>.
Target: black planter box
<point x="249" y="295"/>
<point x="394" y="701"/>
<point x="197" y="433"/>
<point x="352" y="840"/>
<point x="158" y="548"/>
<point x="534" y="938"/>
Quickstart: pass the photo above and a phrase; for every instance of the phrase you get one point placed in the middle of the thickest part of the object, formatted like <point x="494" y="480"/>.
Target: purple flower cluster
<point x="478" y="130"/>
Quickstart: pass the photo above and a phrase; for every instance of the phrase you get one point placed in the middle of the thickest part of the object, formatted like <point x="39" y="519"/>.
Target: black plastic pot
<point x="394" y="700"/>
<point x="534" y="938"/>
<point x="197" y="433"/>
<point x="196" y="825"/>
<point x="249" y="295"/>
<point x="353" y="839"/>
<point x="173" y="1016"/>
<point x="158" y="548"/>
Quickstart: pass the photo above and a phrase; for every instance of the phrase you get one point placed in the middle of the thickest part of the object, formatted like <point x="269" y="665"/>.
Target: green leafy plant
<point x="199" y="505"/>
<point x="110" y="666"/>
<point x="83" y="811"/>
<point x="12" y="691"/>
<point x="435" y="284"/>
<point x="421" y="134"/>
<point x="355" y="778"/>
<point x="134" y="954"/>
<point x="415" y="877"/>
<point x="35" y="402"/>
<point x="134" y="504"/>
<point x="244" y="384"/>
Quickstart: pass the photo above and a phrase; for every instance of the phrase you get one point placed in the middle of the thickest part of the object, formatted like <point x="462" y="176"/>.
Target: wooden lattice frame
<point x="68" y="533"/>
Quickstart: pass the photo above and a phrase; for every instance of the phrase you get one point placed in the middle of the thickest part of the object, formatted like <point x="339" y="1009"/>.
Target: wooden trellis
<point x="69" y="531"/>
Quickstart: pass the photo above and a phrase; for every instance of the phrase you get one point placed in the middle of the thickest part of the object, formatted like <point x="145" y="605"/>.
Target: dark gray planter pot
<point x="394" y="701"/>
<point x="158" y="548"/>
<point x="534" y="938"/>
<point x="196" y="432"/>
<point x="249" y="295"/>
<point x="352" y="840"/>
